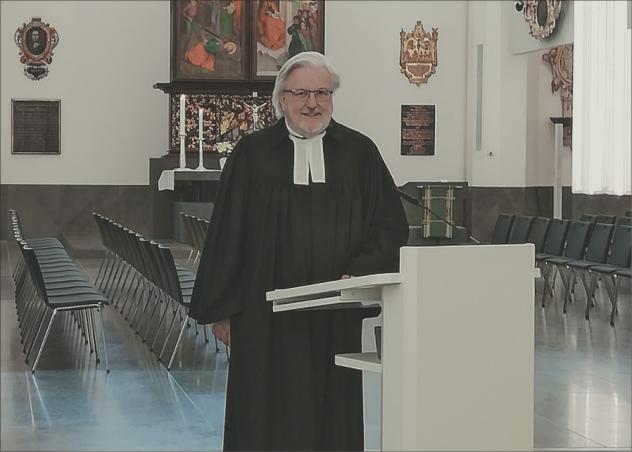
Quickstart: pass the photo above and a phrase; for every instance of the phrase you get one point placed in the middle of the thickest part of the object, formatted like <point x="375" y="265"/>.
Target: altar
<point x="192" y="192"/>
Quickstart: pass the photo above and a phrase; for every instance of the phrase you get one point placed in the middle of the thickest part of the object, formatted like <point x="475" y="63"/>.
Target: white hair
<point x="303" y="59"/>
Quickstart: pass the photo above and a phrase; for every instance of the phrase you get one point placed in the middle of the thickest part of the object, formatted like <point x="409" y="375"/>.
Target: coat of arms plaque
<point x="418" y="53"/>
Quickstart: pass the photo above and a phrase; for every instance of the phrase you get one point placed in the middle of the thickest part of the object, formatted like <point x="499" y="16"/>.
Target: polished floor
<point x="582" y="385"/>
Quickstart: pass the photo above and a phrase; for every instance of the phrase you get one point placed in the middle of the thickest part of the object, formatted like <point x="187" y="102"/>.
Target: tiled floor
<point x="582" y="393"/>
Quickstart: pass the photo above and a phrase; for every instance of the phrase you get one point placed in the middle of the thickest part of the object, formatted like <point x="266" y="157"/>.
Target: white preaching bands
<point x="308" y="158"/>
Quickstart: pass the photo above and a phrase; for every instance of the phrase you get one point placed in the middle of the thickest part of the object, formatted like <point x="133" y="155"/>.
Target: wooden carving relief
<point x="560" y="59"/>
<point x="226" y="118"/>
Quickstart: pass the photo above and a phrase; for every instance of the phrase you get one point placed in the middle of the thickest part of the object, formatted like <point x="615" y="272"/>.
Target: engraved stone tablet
<point x="418" y="130"/>
<point x="35" y="126"/>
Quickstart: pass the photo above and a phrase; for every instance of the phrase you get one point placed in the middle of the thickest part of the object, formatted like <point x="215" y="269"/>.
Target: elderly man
<point x="303" y="201"/>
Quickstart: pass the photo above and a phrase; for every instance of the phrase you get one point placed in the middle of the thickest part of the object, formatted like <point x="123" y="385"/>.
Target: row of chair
<point x="195" y="233"/>
<point x="47" y="281"/>
<point x="510" y="228"/>
<point x="579" y="249"/>
<point x="586" y="250"/>
<point x="143" y="282"/>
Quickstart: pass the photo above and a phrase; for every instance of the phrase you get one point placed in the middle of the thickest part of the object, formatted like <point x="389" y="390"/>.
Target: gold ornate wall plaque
<point x="36" y="41"/>
<point x="542" y="15"/>
<point x="418" y="53"/>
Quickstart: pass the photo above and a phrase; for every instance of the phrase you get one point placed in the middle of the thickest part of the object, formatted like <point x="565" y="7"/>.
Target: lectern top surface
<point x="357" y="282"/>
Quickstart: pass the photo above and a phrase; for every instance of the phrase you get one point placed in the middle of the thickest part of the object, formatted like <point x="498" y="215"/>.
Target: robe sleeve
<point x="217" y="292"/>
<point x="387" y="227"/>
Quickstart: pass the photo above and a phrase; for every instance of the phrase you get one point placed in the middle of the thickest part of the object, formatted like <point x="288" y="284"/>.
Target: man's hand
<point x="221" y="330"/>
<point x="345" y="277"/>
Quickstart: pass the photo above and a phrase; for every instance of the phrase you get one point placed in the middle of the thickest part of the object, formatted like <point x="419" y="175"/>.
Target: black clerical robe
<point x="284" y="391"/>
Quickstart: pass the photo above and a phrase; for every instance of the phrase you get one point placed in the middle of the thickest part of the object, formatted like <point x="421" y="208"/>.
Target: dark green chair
<point x="502" y="228"/>
<point x="554" y="246"/>
<point x="589" y="218"/>
<point x="606" y="219"/>
<point x="596" y="253"/>
<point x="575" y="248"/>
<point x="617" y="265"/>
<point x="623" y="273"/>
<point x="521" y="229"/>
<point x="539" y="232"/>
<point x="63" y="295"/>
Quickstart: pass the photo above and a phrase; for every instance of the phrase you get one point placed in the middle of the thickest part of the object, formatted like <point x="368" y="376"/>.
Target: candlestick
<point x="183" y="131"/>
<point x="183" y="101"/>
<point x="201" y="140"/>
<point x="183" y="159"/>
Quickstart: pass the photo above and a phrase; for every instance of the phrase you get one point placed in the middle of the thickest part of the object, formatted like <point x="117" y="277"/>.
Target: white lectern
<point x="457" y="344"/>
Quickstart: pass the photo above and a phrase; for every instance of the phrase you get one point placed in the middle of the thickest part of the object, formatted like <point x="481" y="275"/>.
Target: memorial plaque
<point x="418" y="130"/>
<point x="35" y="126"/>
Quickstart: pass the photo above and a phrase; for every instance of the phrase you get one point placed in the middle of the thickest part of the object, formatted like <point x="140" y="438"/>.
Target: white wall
<point x="543" y="104"/>
<point x="362" y="40"/>
<point x="109" y="55"/>
<point x="112" y="52"/>
<point x="501" y="161"/>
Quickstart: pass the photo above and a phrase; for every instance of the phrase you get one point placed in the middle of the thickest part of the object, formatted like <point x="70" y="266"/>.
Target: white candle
<point x="183" y="131"/>
<point x="183" y="101"/>
<point x="201" y="127"/>
<point x="201" y="140"/>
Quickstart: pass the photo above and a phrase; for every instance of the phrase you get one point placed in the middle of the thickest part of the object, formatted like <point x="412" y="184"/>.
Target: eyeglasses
<point x="303" y="94"/>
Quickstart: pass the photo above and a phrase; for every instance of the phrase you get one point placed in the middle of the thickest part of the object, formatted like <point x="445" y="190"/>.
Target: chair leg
<point x="162" y="318"/>
<point x="568" y="279"/>
<point x="99" y="283"/>
<point x="105" y="345"/>
<point x="609" y="282"/>
<point x="84" y="321"/>
<point x="615" y="295"/>
<point x="173" y="320"/>
<point x="121" y="283"/>
<point x="594" y="278"/>
<point x="86" y="317"/>
<point x="127" y="297"/>
<point x="96" y="279"/>
<point x="28" y="329"/>
<point x="112" y="278"/>
<point x="39" y="353"/>
<point x="545" y="276"/>
<point x="151" y="317"/>
<point x="175" y="347"/>
<point x="39" y="329"/>
<point x="143" y="317"/>
<point x="93" y="329"/>
<point x="205" y="333"/>
<point x="589" y="305"/>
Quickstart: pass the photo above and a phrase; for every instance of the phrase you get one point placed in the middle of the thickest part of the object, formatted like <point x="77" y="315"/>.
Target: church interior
<point x="502" y="123"/>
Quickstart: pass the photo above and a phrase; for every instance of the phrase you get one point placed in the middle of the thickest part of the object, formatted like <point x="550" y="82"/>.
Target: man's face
<point x="308" y="116"/>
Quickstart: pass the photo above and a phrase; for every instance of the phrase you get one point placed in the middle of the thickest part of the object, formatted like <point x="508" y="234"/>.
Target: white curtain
<point x="601" y="98"/>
